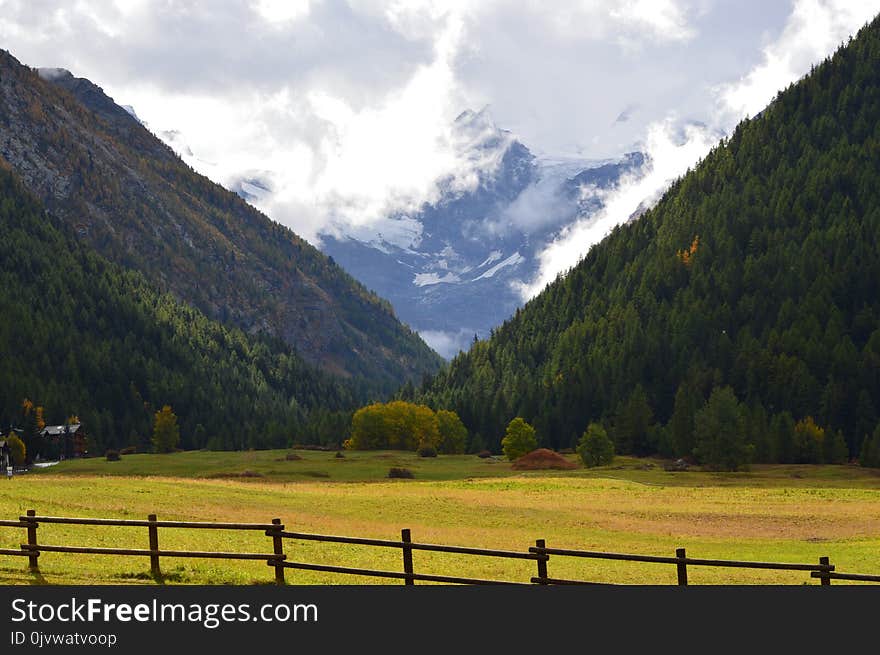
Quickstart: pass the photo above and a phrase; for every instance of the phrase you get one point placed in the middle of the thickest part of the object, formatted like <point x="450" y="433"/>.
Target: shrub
<point x="339" y="455"/>
<point x="112" y="455"/>
<point x="395" y="472"/>
<point x="595" y="448"/>
<point x="128" y="450"/>
<point x="519" y="439"/>
<point x="427" y="450"/>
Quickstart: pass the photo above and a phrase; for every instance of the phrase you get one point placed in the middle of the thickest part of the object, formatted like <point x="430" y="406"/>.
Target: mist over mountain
<point x="455" y="268"/>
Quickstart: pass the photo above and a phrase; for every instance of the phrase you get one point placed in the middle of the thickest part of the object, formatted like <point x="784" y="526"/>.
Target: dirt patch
<point x="542" y="459"/>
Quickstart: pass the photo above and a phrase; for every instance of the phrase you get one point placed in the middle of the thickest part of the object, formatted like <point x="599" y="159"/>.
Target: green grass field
<point x="783" y="513"/>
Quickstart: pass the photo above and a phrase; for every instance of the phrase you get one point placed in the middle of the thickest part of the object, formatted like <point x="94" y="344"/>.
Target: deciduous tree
<point x="519" y="439"/>
<point x="166" y="432"/>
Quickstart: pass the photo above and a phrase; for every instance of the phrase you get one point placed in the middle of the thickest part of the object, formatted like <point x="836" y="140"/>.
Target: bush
<point x="427" y="450"/>
<point x="595" y="448"/>
<point x="128" y="450"/>
<point x="395" y="472"/>
<point x="339" y="455"/>
<point x="112" y="455"/>
<point x="519" y="439"/>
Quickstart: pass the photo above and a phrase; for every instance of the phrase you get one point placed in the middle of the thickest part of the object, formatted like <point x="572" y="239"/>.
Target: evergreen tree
<point x="681" y="425"/>
<point x="870" y="453"/>
<point x="782" y="436"/>
<point x="720" y="433"/>
<point x="633" y="423"/>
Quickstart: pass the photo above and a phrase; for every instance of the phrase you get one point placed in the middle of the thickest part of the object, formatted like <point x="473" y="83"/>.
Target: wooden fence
<point x="277" y="559"/>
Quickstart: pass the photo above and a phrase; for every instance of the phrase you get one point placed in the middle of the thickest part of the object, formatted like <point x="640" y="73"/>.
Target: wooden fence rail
<point x="824" y="571"/>
<point x="407" y="546"/>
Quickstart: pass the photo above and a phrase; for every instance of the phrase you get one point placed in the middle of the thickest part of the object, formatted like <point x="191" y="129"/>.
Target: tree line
<point x="751" y="291"/>
<point x="80" y="335"/>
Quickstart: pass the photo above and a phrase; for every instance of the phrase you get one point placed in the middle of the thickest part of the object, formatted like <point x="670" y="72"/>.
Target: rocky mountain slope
<point x="127" y="195"/>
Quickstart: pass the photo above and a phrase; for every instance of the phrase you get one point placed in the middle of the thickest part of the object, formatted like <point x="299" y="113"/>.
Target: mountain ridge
<point x="131" y="198"/>
<point x="759" y="270"/>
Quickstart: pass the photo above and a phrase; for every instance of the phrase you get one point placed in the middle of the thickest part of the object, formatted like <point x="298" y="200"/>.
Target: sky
<point x="346" y="108"/>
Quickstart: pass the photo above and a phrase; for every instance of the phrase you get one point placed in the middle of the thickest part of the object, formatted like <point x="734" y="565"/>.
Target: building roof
<point x="58" y="430"/>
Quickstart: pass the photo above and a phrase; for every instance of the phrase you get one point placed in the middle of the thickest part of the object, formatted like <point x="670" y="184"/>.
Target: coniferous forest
<point x="82" y="336"/>
<point x="749" y="297"/>
<point x="736" y="321"/>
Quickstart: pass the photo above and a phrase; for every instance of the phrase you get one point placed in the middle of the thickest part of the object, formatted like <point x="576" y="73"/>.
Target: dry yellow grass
<point x="786" y="524"/>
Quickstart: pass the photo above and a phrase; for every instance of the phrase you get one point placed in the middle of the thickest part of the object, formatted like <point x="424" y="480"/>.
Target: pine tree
<point x="720" y="433"/>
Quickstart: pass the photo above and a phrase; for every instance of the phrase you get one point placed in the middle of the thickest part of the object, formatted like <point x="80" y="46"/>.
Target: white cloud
<point x="345" y="109"/>
<point x="671" y="152"/>
<point x="448" y="344"/>
<point x="664" y="19"/>
<point x="279" y="12"/>
<point x="814" y="29"/>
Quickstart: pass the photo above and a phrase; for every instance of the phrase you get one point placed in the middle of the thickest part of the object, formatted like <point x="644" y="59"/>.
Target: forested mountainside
<point x="133" y="200"/>
<point x="759" y="270"/>
<point x="81" y="336"/>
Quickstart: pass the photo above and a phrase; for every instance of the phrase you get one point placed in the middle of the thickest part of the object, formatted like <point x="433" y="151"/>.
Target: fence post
<point x="542" y="562"/>
<point x="154" y="546"/>
<point x="406" y="538"/>
<point x="682" y="567"/>
<point x="33" y="558"/>
<point x="826" y="580"/>
<point x="278" y="549"/>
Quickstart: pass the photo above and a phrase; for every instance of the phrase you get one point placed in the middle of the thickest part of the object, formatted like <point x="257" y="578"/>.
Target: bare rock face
<point x="128" y="195"/>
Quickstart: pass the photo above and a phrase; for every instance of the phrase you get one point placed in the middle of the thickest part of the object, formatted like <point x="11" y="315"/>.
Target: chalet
<point x="64" y="441"/>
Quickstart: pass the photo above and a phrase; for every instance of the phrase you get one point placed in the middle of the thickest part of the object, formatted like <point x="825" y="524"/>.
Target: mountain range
<point x="756" y="276"/>
<point x="454" y="269"/>
<point x="130" y="197"/>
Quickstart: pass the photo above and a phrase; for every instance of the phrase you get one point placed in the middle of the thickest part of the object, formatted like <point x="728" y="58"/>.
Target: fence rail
<point x="277" y="559"/>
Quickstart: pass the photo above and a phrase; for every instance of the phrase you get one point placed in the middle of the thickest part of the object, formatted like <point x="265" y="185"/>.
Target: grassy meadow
<point x="779" y="513"/>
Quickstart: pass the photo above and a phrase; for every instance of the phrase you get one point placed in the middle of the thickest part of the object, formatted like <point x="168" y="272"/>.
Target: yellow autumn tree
<point x="397" y="425"/>
<point x="166" y="432"/>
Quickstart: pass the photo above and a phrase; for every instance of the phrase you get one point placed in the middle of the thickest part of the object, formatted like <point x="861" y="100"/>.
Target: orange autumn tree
<point x="685" y="256"/>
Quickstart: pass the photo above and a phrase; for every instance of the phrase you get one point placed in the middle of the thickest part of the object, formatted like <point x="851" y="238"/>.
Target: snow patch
<point x="513" y="260"/>
<point x="493" y="257"/>
<point x="427" y="279"/>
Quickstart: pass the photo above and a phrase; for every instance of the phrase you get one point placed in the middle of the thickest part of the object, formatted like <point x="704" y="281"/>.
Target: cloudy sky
<point x="345" y="107"/>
